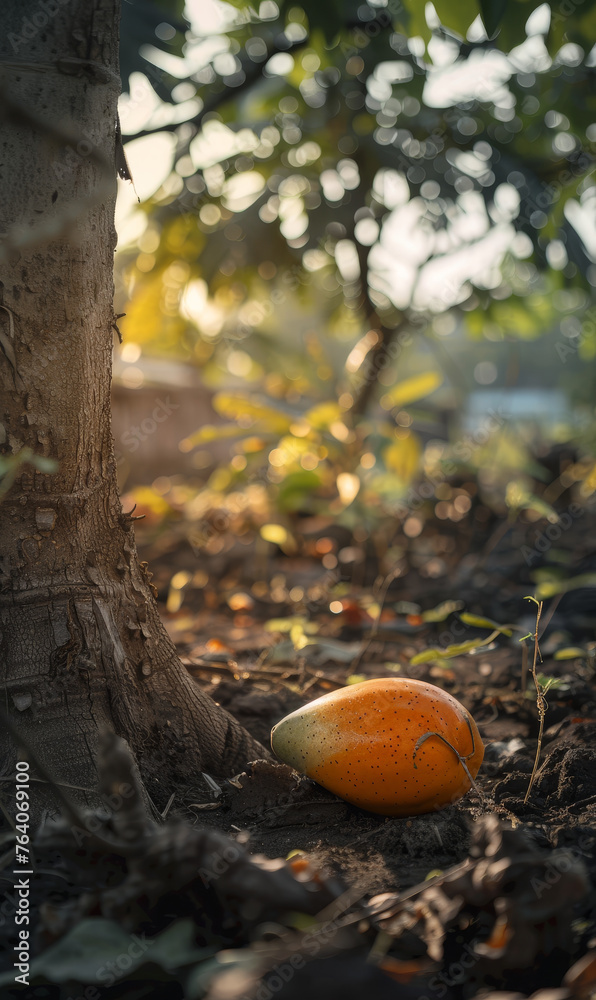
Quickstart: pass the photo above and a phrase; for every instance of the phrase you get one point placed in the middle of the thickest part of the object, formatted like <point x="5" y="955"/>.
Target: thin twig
<point x="375" y="625"/>
<point x="168" y="806"/>
<point x="62" y="784"/>
<point x="253" y="72"/>
<point x="525" y="657"/>
<point x="541" y="701"/>
<point x="524" y="670"/>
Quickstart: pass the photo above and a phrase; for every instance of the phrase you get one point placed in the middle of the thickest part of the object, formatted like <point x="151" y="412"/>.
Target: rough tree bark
<point x="82" y="644"/>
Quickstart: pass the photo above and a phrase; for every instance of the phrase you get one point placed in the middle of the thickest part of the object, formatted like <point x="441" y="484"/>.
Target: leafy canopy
<point x="349" y="181"/>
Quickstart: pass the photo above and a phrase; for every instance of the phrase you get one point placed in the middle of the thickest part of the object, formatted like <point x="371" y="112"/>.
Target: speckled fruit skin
<point x="360" y="743"/>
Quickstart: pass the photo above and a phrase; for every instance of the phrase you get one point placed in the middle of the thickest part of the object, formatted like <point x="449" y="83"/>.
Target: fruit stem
<point x="461" y="759"/>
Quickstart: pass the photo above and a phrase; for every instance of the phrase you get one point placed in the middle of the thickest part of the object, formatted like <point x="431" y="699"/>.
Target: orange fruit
<point x="393" y="746"/>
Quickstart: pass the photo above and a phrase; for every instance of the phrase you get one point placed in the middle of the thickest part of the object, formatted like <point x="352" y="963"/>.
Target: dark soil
<point x="524" y="908"/>
<point x="395" y="853"/>
<point x="282" y="812"/>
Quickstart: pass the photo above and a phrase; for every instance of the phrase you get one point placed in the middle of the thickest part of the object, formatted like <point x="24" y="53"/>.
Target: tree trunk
<point x="82" y="645"/>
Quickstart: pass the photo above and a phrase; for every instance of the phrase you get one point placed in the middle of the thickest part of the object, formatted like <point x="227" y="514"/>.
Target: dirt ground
<point x="490" y="896"/>
<point x="279" y="811"/>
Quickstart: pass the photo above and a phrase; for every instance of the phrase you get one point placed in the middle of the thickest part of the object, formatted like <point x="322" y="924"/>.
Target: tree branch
<point x="252" y="74"/>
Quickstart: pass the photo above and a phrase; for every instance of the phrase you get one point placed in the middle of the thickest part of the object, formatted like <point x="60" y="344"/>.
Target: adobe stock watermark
<point x="204" y="530"/>
<point x="544" y="540"/>
<point x="309" y="946"/>
<point x="75" y="155"/>
<point x="534" y="206"/>
<point x="36" y="20"/>
<point x="455" y="973"/>
<point x="386" y="355"/>
<point x="576" y="334"/>
<point x="289" y="280"/>
<point x="95" y="823"/>
<point x="283" y="972"/>
<point x="220" y="862"/>
<point x="135" y="436"/>
<point x="11" y="906"/>
<point x="560" y="863"/>
<point x="382" y="20"/>
<point x="564" y="10"/>
<point x="273" y="980"/>
<point x="463" y="450"/>
<point x="114" y="969"/>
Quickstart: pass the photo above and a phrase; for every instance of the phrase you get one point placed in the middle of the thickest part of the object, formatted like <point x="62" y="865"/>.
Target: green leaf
<point x="80" y="953"/>
<point x="517" y="497"/>
<point x="210" y="432"/>
<point x="457" y="16"/>
<point x="570" y="653"/>
<point x="403" y="457"/>
<point x="175" y="947"/>
<point x="442" y="611"/>
<point x="95" y="944"/>
<point x="478" y="621"/>
<point x="414" y="388"/>
<point x="320" y="651"/>
<point x="323" y="415"/>
<point x="10" y="465"/>
<point x="44" y="464"/>
<point x="552" y="683"/>
<point x="274" y="533"/>
<point x="295" y="491"/>
<point x="551" y="587"/>
<point x="287" y="624"/>
<point x="246" y="409"/>
<point x="316" y="652"/>
<point x="415" y="21"/>
<point x="435" y="653"/>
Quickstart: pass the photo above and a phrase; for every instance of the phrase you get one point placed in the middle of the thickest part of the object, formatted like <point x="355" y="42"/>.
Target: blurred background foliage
<point x="370" y="228"/>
